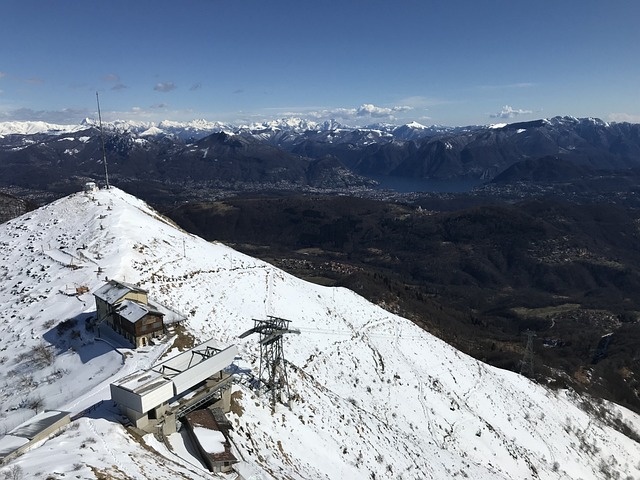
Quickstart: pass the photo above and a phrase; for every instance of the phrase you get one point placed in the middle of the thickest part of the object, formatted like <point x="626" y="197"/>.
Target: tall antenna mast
<point x="104" y="151"/>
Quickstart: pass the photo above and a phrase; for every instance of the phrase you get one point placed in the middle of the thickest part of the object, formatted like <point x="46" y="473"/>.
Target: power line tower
<point x="273" y="372"/>
<point x="526" y="365"/>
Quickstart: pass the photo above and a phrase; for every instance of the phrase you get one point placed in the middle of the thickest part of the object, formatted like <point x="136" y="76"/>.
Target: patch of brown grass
<point x="236" y="406"/>
<point x="184" y="340"/>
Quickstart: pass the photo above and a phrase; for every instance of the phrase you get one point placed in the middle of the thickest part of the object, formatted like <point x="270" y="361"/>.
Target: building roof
<point x="221" y="419"/>
<point x="10" y="443"/>
<point x="208" y="434"/>
<point x="114" y="290"/>
<point x="23" y="433"/>
<point x="186" y="360"/>
<point x="202" y="418"/>
<point x="40" y="422"/>
<point x="142" y="381"/>
<point x="133" y="311"/>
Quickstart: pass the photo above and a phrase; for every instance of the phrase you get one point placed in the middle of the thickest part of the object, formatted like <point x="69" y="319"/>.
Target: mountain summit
<point x="373" y="395"/>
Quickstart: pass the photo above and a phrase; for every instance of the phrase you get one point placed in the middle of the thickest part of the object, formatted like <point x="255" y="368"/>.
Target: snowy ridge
<point x="200" y="128"/>
<point x="197" y="129"/>
<point x="373" y="393"/>
<point x="31" y="128"/>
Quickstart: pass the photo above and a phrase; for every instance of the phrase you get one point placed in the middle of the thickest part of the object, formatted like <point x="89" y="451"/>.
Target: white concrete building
<point x="170" y="388"/>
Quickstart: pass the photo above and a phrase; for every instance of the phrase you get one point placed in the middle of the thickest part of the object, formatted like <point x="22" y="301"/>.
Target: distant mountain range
<point x="295" y="154"/>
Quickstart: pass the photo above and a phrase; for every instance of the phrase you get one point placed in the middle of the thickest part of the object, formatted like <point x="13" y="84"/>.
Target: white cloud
<point x="112" y="78"/>
<point x="509" y="112"/>
<point x="165" y="86"/>
<point x="369" y="110"/>
<point x="3" y="74"/>
<point x="366" y="110"/>
<point x="624" y="117"/>
<point x="119" y="86"/>
<point x="341" y="113"/>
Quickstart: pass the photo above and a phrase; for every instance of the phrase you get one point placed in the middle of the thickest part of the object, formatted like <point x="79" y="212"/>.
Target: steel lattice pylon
<point x="526" y="367"/>
<point x="273" y="372"/>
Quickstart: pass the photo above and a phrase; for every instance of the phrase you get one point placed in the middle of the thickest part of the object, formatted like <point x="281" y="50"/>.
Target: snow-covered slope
<point x="374" y="395"/>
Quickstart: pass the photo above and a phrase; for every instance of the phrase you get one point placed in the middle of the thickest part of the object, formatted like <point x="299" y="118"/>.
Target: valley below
<point x="477" y="271"/>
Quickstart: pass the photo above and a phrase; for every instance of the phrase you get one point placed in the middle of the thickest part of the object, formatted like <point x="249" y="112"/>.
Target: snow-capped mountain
<point x="34" y="127"/>
<point x="184" y="131"/>
<point x="192" y="161"/>
<point x="197" y="129"/>
<point x="374" y="396"/>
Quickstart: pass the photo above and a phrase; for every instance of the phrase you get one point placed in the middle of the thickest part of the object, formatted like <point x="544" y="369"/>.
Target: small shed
<point x="211" y="440"/>
<point x="127" y="310"/>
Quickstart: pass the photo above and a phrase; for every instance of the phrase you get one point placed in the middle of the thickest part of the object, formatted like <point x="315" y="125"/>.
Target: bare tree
<point x="42" y="354"/>
<point x="14" y="473"/>
<point x="36" y="403"/>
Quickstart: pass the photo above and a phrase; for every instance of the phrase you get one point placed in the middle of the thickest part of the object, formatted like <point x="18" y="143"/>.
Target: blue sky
<point x="456" y="62"/>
